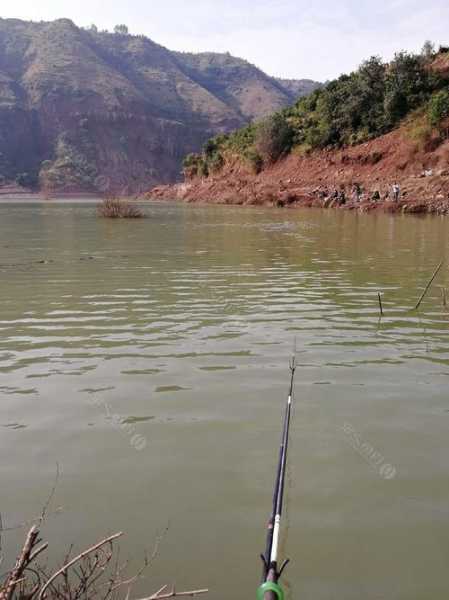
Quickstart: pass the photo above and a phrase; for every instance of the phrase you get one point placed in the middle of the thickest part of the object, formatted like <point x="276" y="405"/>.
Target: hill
<point x="351" y="139"/>
<point x="83" y="109"/>
<point x="299" y="87"/>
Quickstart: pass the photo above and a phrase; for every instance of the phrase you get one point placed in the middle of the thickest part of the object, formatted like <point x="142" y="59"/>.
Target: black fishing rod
<point x="270" y="588"/>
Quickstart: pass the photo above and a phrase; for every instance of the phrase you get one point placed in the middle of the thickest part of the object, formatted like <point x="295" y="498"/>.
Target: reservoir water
<point x="149" y="359"/>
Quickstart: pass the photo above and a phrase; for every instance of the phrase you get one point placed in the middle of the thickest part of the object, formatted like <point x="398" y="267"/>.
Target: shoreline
<point x="200" y="193"/>
<point x="39" y="197"/>
<point x="290" y="200"/>
<point x="315" y="179"/>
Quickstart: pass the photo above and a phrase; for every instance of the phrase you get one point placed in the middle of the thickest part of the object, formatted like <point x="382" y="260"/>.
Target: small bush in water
<point x="113" y="208"/>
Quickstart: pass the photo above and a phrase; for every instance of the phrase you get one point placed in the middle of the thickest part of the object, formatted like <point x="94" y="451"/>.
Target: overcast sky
<point x="288" y="38"/>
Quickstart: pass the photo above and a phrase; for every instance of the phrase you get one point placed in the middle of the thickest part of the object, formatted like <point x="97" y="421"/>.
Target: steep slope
<point x="345" y="145"/>
<point x="239" y="84"/>
<point x="313" y="180"/>
<point x="82" y="110"/>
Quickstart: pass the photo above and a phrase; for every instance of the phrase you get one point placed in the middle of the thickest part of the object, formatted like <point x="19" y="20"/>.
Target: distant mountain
<point x="82" y="110"/>
<point x="299" y="87"/>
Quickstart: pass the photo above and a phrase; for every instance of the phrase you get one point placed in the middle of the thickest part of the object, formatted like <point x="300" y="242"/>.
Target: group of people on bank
<point x="357" y="194"/>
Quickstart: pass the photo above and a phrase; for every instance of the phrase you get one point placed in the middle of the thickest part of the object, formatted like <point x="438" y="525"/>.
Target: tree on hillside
<point x="274" y="137"/>
<point x="211" y="154"/>
<point x="407" y="86"/>
<point x="121" y="30"/>
<point x="93" y="28"/>
<point x="350" y="110"/>
<point x="439" y="107"/>
<point x="371" y="94"/>
<point x="428" y="50"/>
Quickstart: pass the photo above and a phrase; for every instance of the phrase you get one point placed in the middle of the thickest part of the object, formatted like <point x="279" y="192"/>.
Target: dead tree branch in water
<point x="381" y="308"/>
<point x="444" y="297"/>
<point x="50" y="496"/>
<point x="432" y="279"/>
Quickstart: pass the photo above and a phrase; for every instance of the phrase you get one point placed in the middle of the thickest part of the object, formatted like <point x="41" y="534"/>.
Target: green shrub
<point x="420" y="132"/>
<point x="121" y="30"/>
<point x="210" y="147"/>
<point x="438" y="108"/>
<point x="254" y="160"/>
<point x="26" y="180"/>
<point x="302" y="149"/>
<point x="215" y="162"/>
<point x="407" y="85"/>
<point x="274" y="137"/>
<point x="428" y="51"/>
<point x="190" y="165"/>
<point x="203" y="168"/>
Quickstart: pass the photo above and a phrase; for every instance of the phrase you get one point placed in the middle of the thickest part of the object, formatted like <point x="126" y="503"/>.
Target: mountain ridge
<point x="82" y="110"/>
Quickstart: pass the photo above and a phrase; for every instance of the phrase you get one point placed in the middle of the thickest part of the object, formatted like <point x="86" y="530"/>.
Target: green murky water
<point x="149" y="358"/>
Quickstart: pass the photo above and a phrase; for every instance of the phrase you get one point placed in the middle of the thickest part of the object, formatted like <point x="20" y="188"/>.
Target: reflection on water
<point x="171" y="336"/>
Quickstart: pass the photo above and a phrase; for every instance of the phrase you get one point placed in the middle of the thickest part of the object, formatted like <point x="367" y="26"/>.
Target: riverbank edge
<point x="319" y="178"/>
<point x="203" y="193"/>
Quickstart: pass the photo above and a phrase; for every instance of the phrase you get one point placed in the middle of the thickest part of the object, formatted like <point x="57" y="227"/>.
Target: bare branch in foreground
<point x="160" y="595"/>
<point x="75" y="560"/>
<point x="97" y="573"/>
<point x="22" y="562"/>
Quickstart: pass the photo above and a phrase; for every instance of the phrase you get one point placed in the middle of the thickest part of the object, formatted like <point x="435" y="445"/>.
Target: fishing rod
<point x="270" y="588"/>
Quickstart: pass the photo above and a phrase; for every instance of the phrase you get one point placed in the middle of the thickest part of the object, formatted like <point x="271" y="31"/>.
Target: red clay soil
<point x="296" y="181"/>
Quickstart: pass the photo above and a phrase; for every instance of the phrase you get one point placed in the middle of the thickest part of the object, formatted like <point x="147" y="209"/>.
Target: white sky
<point x="288" y="38"/>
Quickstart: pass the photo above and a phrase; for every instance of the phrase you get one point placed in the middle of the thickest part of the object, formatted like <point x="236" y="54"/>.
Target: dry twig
<point x="22" y="562"/>
<point x="174" y="594"/>
<point x="75" y="560"/>
<point x="51" y="495"/>
<point x="86" y="576"/>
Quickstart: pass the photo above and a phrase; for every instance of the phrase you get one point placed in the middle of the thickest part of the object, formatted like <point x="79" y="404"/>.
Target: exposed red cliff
<point x="312" y="180"/>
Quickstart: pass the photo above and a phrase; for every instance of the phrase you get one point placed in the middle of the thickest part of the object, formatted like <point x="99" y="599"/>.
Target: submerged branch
<point x="432" y="279"/>
<point x="381" y="308"/>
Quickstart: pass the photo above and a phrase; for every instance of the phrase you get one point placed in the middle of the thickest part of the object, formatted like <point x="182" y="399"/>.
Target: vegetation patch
<point x="69" y="168"/>
<point x="350" y="110"/>
<point x="114" y="208"/>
